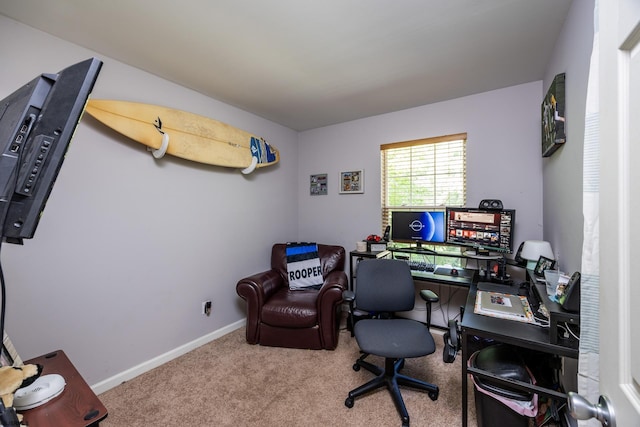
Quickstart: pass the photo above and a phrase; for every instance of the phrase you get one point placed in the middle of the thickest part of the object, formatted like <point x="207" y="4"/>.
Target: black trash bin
<point x="503" y="361"/>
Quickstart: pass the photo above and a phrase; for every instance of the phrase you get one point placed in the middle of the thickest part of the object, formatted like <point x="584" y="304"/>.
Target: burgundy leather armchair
<point x="279" y="317"/>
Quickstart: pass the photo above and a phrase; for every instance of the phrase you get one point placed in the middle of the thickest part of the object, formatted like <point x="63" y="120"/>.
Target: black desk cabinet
<point x="518" y="334"/>
<point x="557" y="315"/>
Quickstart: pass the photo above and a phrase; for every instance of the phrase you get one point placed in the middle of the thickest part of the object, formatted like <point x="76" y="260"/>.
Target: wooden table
<point x="76" y="406"/>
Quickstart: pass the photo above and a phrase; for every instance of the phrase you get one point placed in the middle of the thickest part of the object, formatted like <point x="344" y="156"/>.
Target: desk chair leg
<point x="361" y="363"/>
<point x="391" y="379"/>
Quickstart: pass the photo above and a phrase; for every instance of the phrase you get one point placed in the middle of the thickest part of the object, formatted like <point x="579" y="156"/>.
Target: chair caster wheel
<point x="433" y="395"/>
<point x="349" y="402"/>
<point x="405" y="422"/>
<point x="356" y="367"/>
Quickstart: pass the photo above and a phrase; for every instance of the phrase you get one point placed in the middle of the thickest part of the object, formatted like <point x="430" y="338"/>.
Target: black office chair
<point x="385" y="286"/>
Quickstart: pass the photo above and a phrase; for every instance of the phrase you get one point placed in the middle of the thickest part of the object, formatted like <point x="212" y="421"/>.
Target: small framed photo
<point x="352" y="182"/>
<point x="318" y="185"/>
<point x="543" y="264"/>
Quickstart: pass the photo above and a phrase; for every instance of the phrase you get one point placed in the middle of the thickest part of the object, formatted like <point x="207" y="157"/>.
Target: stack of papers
<point x="504" y="306"/>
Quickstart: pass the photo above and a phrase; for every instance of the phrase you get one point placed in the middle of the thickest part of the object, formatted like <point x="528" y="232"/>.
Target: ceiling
<point x="307" y="64"/>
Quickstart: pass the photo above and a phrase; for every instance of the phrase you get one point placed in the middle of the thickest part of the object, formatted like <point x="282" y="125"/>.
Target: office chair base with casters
<point x="385" y="287"/>
<point x="390" y="376"/>
<point x="361" y="363"/>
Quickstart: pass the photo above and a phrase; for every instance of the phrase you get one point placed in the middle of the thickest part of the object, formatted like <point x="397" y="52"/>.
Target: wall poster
<point x="553" y="119"/>
<point x="352" y="182"/>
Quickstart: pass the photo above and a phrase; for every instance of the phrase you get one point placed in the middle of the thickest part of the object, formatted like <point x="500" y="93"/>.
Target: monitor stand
<point x="420" y="249"/>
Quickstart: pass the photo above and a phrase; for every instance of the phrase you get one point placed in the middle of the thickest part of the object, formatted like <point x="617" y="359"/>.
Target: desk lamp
<point x="532" y="250"/>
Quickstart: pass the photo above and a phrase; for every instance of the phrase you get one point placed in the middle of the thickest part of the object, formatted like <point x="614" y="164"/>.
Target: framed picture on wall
<point x="318" y="185"/>
<point x="553" y="118"/>
<point x="352" y="182"/>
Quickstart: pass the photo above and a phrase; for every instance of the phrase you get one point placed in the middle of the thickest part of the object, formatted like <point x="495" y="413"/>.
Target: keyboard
<point x="421" y="266"/>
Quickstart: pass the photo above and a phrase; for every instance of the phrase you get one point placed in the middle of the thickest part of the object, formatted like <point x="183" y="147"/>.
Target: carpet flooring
<point x="230" y="383"/>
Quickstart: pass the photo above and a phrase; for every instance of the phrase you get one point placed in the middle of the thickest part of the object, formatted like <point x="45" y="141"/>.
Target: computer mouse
<point x="454" y="272"/>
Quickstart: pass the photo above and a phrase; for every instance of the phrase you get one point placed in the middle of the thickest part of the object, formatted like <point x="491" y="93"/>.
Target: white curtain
<point x="588" y="370"/>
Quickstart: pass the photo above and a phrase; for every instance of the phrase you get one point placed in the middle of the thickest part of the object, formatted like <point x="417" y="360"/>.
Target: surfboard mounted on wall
<point x="185" y="135"/>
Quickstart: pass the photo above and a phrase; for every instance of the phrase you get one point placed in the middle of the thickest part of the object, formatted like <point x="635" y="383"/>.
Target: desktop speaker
<point x="491" y="204"/>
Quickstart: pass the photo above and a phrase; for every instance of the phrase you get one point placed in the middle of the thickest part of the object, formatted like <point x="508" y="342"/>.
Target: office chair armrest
<point x="349" y="296"/>
<point x="429" y="296"/>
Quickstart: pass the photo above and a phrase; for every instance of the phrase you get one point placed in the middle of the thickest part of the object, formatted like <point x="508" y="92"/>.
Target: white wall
<point x="562" y="172"/>
<point x="503" y="161"/>
<point x="128" y="247"/>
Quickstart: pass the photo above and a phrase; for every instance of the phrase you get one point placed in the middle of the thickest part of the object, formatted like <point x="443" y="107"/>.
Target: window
<point x="425" y="173"/>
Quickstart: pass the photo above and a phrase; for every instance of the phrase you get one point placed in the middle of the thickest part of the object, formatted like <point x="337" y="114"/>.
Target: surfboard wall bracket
<point x="252" y="166"/>
<point x="160" y="152"/>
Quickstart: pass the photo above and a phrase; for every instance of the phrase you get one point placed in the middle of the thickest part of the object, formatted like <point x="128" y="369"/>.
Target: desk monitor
<point x="418" y="227"/>
<point x="482" y="229"/>
<point x="37" y="122"/>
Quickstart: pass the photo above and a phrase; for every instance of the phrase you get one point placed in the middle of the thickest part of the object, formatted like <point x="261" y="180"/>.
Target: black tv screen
<point x="423" y="226"/>
<point x="489" y="230"/>
<point x="37" y="122"/>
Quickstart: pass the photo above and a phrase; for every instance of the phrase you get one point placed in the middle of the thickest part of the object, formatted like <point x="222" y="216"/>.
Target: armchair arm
<point x="329" y="297"/>
<point x="334" y="285"/>
<point x="255" y="290"/>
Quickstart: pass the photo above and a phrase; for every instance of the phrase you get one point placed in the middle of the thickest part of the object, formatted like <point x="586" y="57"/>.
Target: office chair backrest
<point x="384" y="285"/>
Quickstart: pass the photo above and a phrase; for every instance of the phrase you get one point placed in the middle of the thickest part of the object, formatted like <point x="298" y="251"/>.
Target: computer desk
<point x="518" y="334"/>
<point x="464" y="279"/>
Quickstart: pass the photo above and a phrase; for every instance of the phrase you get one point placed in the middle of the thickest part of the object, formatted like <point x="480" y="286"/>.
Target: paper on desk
<point x="503" y="306"/>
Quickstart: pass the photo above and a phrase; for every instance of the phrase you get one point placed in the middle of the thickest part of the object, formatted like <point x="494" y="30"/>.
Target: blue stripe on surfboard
<point x="261" y="151"/>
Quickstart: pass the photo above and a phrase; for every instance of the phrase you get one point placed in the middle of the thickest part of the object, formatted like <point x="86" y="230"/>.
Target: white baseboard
<point x="133" y="372"/>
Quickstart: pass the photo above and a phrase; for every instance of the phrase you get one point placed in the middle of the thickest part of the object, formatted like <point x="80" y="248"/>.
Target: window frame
<point x="386" y="208"/>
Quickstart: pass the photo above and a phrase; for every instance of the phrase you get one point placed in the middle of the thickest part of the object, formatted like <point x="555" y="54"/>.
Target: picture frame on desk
<point x="543" y="264"/>
<point x="376" y="246"/>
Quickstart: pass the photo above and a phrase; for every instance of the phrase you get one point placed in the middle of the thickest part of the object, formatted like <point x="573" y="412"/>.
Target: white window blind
<point x="425" y="173"/>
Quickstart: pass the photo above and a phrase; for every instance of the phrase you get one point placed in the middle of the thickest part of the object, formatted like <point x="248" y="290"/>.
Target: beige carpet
<point x="231" y="383"/>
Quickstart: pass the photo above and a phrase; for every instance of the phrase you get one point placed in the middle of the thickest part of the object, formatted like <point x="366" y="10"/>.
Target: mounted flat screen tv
<point x="418" y="227"/>
<point x="37" y="122"/>
<point x="484" y="230"/>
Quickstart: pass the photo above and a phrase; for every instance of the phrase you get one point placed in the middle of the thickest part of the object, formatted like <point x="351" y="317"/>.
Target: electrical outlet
<point x="206" y="308"/>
